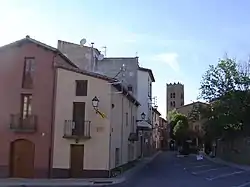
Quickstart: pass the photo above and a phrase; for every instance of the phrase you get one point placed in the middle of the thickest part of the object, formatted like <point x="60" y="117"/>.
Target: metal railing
<point x="79" y="129"/>
<point x="19" y="123"/>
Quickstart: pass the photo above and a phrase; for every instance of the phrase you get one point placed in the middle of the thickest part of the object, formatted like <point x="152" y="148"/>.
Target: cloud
<point x="169" y="58"/>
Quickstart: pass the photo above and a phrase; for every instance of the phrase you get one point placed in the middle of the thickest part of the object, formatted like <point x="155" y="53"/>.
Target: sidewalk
<point x="220" y="161"/>
<point x="79" y="182"/>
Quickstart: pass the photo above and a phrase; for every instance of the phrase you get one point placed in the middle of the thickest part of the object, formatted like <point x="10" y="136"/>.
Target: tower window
<point x="173" y="103"/>
<point x="173" y="95"/>
<point x="130" y="88"/>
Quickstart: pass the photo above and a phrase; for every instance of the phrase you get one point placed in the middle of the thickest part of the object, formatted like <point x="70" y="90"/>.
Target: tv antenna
<point x="153" y="102"/>
<point x="122" y="70"/>
<point x="105" y="50"/>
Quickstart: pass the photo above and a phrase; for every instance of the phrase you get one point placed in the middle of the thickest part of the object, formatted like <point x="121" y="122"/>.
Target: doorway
<point x="22" y="154"/>
<point x="78" y="117"/>
<point x="76" y="160"/>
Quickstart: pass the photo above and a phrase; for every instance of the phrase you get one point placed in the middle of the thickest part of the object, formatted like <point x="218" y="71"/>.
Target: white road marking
<point x="225" y="175"/>
<point x="190" y="163"/>
<point x="201" y="166"/>
<point x="243" y="185"/>
<point x="198" y="166"/>
<point x="204" y="171"/>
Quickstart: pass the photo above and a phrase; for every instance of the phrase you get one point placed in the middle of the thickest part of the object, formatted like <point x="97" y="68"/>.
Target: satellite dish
<point x="83" y="41"/>
<point x="100" y="57"/>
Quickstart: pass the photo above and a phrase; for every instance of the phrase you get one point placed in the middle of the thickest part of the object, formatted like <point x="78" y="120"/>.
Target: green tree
<point x="179" y="126"/>
<point x="181" y="131"/>
<point x="225" y="86"/>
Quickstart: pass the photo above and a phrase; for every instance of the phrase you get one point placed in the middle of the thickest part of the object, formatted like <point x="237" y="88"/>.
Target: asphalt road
<point x="169" y="170"/>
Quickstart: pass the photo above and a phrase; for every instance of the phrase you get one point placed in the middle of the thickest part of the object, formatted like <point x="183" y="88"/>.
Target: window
<point x="117" y="156"/>
<point x="26" y="105"/>
<point x="28" y="72"/>
<point x="173" y="95"/>
<point x="150" y="89"/>
<point x="81" y="87"/>
<point x="126" y="119"/>
<point x="130" y="88"/>
<point x="173" y="103"/>
<point x="196" y="127"/>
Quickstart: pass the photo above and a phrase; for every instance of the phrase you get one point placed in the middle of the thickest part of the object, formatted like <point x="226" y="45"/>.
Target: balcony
<point x="23" y="125"/>
<point x="76" y="130"/>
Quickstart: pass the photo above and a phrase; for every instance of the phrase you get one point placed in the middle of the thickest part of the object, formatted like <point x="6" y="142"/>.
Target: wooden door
<point x="22" y="159"/>
<point x="76" y="160"/>
<point x="78" y="117"/>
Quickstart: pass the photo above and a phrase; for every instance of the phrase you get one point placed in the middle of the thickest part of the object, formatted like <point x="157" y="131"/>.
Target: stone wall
<point x="237" y="151"/>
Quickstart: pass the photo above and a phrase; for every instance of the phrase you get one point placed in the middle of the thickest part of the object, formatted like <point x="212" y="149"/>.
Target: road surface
<point x="168" y="170"/>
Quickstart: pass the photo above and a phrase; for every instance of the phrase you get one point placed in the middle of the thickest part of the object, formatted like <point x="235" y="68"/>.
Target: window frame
<point x="28" y="70"/>
<point x="79" y="90"/>
<point x="26" y="108"/>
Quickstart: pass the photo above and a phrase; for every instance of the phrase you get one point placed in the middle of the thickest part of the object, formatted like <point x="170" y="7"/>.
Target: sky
<point x="178" y="39"/>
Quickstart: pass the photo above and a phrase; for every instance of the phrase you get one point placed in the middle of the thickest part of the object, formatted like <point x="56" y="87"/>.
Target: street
<point x="169" y="170"/>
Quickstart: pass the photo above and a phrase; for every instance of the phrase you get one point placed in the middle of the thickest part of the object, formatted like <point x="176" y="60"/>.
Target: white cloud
<point x="169" y="58"/>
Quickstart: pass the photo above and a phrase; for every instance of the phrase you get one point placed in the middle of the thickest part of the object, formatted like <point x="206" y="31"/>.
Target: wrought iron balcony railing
<point x="18" y="123"/>
<point x="77" y="130"/>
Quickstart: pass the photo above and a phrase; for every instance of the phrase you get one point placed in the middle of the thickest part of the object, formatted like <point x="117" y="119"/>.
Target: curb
<point x="127" y="175"/>
<point x="220" y="161"/>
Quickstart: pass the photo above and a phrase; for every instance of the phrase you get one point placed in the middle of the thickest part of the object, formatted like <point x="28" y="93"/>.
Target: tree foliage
<point x="181" y="129"/>
<point x="179" y="125"/>
<point x="226" y="87"/>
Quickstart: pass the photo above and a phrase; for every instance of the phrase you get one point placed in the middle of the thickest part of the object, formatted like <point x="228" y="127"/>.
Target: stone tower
<point x="174" y="96"/>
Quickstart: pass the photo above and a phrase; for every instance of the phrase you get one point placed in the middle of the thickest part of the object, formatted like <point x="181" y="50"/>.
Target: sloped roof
<point x="156" y="111"/>
<point x="27" y="39"/>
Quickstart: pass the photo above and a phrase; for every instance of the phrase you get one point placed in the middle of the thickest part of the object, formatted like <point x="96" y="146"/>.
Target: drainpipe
<point x="52" y="117"/>
<point x="110" y="133"/>
<point x="122" y="131"/>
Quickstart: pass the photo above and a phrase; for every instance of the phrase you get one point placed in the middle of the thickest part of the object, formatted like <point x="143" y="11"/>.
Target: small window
<point x="150" y="89"/>
<point x="196" y="127"/>
<point x="126" y="119"/>
<point x="28" y="73"/>
<point x="173" y="103"/>
<point x="130" y="88"/>
<point x="81" y="87"/>
<point x="173" y="95"/>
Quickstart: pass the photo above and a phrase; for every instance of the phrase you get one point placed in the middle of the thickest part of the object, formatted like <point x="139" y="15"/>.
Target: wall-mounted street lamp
<point x="143" y="116"/>
<point x="95" y="103"/>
